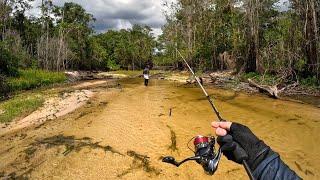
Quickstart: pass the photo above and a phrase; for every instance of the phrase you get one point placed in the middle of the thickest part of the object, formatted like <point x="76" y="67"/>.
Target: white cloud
<point x="123" y="24"/>
<point x="118" y="14"/>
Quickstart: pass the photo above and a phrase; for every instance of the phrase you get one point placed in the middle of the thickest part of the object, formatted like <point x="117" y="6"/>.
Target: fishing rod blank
<point x="204" y="91"/>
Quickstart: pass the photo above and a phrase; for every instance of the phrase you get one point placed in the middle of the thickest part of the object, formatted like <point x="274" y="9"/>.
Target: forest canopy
<point x="249" y="35"/>
<point x="245" y="35"/>
<point x="64" y="38"/>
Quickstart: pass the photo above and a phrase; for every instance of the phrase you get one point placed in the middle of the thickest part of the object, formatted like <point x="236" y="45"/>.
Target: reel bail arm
<point x="172" y="160"/>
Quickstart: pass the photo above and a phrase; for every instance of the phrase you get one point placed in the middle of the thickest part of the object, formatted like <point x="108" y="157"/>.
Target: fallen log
<point x="272" y="91"/>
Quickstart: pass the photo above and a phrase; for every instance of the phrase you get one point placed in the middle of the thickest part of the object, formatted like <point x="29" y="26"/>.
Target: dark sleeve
<point x="274" y="168"/>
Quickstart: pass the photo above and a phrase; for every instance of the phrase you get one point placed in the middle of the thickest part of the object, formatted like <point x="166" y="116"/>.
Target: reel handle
<point x="172" y="160"/>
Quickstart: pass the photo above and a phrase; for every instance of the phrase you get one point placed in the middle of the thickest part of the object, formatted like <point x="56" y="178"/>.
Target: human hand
<point x="237" y="140"/>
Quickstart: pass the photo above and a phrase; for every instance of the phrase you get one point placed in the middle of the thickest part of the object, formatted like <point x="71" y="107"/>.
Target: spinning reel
<point x="205" y="155"/>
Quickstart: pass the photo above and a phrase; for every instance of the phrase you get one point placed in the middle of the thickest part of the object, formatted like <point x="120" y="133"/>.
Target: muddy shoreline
<point x="125" y="131"/>
<point x="83" y="86"/>
<point x="60" y="102"/>
<point x="225" y="80"/>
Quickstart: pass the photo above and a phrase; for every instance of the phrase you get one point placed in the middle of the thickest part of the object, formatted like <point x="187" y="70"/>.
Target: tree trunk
<point x="253" y="36"/>
<point x="61" y="37"/>
<point x="311" y="37"/>
<point x="316" y="39"/>
<point x="189" y="28"/>
<point x="59" y="51"/>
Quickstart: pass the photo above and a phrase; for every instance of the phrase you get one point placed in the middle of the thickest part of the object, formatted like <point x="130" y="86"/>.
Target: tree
<point x="128" y="49"/>
<point x="77" y="21"/>
<point x="309" y="13"/>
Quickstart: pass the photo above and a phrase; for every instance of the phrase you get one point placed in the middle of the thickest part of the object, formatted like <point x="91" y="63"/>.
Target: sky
<point x="121" y="14"/>
<point x="118" y="14"/>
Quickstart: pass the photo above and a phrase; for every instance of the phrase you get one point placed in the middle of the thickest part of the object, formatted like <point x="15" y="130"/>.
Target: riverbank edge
<point x="229" y="81"/>
<point x="221" y="80"/>
<point x="58" y="102"/>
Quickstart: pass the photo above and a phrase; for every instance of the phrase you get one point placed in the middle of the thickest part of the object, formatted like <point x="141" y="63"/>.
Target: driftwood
<point x="272" y="91"/>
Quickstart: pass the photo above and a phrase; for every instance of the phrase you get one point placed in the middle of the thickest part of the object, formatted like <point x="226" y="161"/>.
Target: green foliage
<point x="258" y="36"/>
<point x="310" y="82"/>
<point x="30" y="79"/>
<point x="4" y="88"/>
<point x="8" y="62"/>
<point x="130" y="49"/>
<point x="267" y="79"/>
<point x="211" y="28"/>
<point x="300" y="64"/>
<point x="19" y="106"/>
<point x="251" y="75"/>
<point x="113" y="66"/>
<point x="252" y="32"/>
<point x="73" y="22"/>
<point x="280" y="49"/>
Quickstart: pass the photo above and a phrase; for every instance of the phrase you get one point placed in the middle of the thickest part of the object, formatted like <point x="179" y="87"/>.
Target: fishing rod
<point x="215" y="109"/>
<point x="242" y="154"/>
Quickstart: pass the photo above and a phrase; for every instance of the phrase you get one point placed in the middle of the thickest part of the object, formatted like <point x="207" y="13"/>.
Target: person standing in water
<point x="146" y="75"/>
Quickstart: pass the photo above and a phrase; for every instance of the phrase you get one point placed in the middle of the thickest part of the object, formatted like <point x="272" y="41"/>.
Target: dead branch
<point x="272" y="91"/>
<point x="291" y="86"/>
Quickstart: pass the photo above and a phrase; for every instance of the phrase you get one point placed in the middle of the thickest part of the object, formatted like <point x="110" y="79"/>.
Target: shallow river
<point x="125" y="134"/>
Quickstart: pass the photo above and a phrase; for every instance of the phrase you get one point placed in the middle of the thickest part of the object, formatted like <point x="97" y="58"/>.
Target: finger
<point x="215" y="125"/>
<point x="225" y="139"/>
<point x="225" y="125"/>
<point x="228" y="147"/>
<point x="221" y="132"/>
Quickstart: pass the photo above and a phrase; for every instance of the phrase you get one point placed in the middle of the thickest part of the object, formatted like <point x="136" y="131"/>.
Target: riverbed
<point x="125" y="133"/>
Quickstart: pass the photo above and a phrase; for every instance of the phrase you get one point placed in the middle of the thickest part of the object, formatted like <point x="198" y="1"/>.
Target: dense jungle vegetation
<point x="262" y="37"/>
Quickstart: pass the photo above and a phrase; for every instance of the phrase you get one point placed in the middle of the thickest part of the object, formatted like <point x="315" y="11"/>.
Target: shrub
<point x="113" y="66"/>
<point x="310" y="82"/>
<point x="4" y="88"/>
<point x="30" y="79"/>
<point x="266" y="79"/>
<point x="8" y="62"/>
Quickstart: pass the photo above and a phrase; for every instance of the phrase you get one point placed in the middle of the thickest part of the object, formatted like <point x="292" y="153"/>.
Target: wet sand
<point x="124" y="134"/>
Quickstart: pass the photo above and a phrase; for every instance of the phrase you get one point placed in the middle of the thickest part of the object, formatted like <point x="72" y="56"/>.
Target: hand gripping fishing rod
<point x="215" y="110"/>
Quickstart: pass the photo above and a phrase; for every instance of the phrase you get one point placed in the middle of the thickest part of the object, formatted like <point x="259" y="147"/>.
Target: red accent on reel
<point x="200" y="139"/>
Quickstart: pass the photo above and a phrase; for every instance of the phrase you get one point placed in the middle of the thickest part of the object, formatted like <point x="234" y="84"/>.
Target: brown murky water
<point x="125" y="134"/>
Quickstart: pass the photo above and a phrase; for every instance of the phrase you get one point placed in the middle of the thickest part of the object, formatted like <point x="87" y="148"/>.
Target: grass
<point x="31" y="79"/>
<point x="19" y="106"/>
<point x="311" y="82"/>
<point x="24" y="104"/>
<point x="264" y="79"/>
